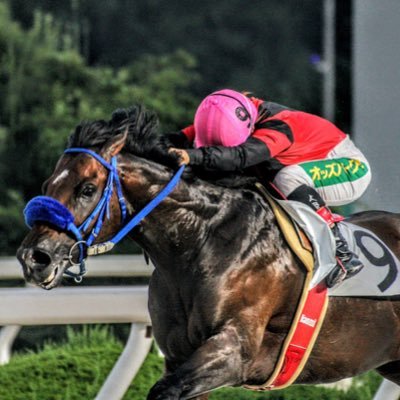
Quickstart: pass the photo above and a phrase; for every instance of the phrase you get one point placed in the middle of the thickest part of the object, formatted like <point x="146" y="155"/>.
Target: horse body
<point x="221" y="310"/>
<point x="225" y="286"/>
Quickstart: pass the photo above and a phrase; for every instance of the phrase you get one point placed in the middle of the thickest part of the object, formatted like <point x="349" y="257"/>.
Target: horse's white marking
<point x="62" y="176"/>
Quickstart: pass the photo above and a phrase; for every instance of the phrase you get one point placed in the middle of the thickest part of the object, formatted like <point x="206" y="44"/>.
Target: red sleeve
<point x="275" y="140"/>
<point x="257" y="102"/>
<point x="189" y="132"/>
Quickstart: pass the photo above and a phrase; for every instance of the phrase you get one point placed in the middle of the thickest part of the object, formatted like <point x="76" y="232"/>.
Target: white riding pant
<point x="340" y="178"/>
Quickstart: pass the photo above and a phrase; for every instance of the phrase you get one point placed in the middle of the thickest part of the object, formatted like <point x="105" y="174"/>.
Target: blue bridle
<point x="47" y="209"/>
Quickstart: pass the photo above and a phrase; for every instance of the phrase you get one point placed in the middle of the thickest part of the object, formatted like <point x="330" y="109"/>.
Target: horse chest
<point x="182" y="319"/>
<point x="183" y="336"/>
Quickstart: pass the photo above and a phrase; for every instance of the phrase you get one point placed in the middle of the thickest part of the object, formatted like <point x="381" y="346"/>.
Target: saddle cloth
<point x="380" y="275"/>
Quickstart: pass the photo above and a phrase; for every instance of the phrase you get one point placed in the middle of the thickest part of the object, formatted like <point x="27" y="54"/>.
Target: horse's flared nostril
<point x="40" y="259"/>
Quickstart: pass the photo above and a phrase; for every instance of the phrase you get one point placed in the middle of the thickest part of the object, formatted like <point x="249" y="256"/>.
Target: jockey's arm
<point x="263" y="145"/>
<point x="236" y="158"/>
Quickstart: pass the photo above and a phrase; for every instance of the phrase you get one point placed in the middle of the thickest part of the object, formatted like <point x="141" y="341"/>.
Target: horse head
<point x="84" y="202"/>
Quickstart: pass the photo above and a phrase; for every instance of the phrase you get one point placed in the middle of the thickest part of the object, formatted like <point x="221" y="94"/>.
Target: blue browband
<point x="47" y="209"/>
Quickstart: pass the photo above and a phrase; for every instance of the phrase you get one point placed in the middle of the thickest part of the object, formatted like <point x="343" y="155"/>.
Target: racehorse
<point x="225" y="285"/>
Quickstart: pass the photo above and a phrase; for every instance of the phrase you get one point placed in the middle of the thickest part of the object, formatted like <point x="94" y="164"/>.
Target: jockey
<point x="307" y="158"/>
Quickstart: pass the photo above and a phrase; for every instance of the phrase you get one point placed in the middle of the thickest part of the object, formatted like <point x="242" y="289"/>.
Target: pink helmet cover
<point x="226" y="118"/>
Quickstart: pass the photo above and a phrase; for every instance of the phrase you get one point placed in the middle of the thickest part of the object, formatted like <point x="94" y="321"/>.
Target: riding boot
<point x="348" y="263"/>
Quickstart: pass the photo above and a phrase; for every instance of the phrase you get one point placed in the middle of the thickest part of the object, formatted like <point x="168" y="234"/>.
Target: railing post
<point x="128" y="364"/>
<point x="387" y="391"/>
<point x="7" y="337"/>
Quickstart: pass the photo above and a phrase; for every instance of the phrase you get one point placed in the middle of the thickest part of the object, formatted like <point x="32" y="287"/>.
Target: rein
<point x="47" y="209"/>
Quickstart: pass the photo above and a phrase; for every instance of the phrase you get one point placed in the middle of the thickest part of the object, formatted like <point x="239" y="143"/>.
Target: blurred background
<point x="65" y="61"/>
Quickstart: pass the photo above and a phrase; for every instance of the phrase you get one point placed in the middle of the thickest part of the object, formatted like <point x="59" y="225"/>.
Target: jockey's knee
<point x="289" y="178"/>
<point x="346" y="192"/>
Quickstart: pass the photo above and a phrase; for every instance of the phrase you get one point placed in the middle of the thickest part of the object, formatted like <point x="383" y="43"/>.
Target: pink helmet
<point x="225" y="117"/>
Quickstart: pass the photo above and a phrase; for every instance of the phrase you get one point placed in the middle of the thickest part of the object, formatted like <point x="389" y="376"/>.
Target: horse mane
<point x="142" y="125"/>
<point x="144" y="140"/>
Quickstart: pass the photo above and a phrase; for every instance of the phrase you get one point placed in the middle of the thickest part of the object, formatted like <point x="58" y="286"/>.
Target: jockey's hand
<point x="183" y="155"/>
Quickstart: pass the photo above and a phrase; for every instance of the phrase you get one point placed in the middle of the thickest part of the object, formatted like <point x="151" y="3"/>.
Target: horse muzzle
<point x="45" y="209"/>
<point x="43" y="262"/>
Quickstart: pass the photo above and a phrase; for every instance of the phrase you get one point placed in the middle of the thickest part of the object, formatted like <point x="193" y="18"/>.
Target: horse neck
<point x="192" y="215"/>
<point x="202" y="230"/>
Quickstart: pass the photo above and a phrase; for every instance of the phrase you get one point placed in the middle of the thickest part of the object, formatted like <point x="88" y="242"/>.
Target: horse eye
<point x="88" y="191"/>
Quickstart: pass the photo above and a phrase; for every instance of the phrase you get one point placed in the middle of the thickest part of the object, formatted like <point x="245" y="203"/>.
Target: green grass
<point x="76" y="369"/>
<point x="73" y="370"/>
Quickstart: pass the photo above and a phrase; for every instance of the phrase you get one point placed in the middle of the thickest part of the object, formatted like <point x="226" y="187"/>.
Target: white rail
<point x="387" y="391"/>
<point x="32" y="306"/>
<point x="83" y="305"/>
<point x="7" y="337"/>
<point x="129" y="362"/>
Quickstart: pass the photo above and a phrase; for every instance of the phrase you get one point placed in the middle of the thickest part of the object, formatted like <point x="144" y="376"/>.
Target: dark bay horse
<point x="226" y="285"/>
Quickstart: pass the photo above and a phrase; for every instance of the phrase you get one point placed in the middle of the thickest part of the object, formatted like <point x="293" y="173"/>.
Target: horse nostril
<point x="40" y="259"/>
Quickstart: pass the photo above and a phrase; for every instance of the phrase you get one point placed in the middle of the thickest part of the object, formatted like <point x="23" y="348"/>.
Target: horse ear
<point x="114" y="145"/>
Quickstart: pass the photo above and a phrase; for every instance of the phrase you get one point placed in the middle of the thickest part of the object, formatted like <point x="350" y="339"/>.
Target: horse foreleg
<point x="218" y="362"/>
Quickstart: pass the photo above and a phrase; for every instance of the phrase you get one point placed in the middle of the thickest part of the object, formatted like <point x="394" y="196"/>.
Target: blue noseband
<point x="49" y="210"/>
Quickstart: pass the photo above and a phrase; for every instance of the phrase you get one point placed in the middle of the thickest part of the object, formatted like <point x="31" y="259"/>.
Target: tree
<point x="261" y="46"/>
